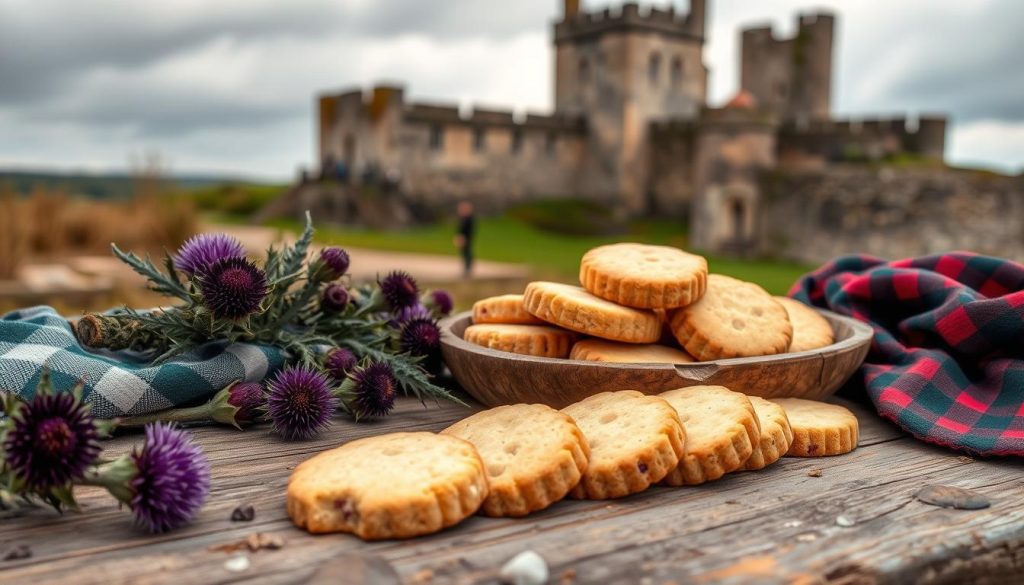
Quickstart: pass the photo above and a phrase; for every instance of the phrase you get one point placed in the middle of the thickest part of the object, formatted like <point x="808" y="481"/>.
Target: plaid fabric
<point x="947" y="360"/>
<point x="119" y="383"/>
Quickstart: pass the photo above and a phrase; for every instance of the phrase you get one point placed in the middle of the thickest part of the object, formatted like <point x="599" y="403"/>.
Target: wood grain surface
<point x="497" y="377"/>
<point x="778" y="525"/>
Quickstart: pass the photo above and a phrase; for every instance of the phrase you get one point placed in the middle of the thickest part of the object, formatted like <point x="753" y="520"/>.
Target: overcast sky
<point x="227" y="85"/>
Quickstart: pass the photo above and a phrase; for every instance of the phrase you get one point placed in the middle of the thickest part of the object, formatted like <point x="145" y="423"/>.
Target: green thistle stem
<point x="113" y="477"/>
<point x="201" y="413"/>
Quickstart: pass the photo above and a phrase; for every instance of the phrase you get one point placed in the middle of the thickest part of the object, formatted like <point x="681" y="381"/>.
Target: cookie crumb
<point x="243" y="513"/>
<point x="814" y="473"/>
<point x="568" y="576"/>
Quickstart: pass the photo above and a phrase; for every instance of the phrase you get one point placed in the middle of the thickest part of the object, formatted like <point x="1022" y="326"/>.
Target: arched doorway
<point x="738" y="220"/>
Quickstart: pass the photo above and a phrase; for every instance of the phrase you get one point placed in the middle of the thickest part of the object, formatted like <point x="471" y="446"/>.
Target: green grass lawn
<point x="550" y="255"/>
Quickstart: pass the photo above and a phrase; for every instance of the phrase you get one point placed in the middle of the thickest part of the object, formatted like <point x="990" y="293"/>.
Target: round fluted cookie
<point x="397" y="485"/>
<point x="575" y="309"/>
<point x="819" y="428"/>
<point x="721" y="431"/>
<point x="538" y="340"/>
<point x="634" y="441"/>
<point x="732" y="319"/>
<point x="533" y="455"/>
<point x="644" y="276"/>
<point x="810" y="329"/>
<point x="776" y="434"/>
<point x="602" y="350"/>
<point x="503" y="309"/>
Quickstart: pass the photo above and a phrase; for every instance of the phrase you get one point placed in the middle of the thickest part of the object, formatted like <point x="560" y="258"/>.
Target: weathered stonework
<point x="891" y="212"/>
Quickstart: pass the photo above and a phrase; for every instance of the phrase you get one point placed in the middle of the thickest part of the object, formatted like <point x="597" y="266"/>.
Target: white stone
<point x="526" y="568"/>
<point x="237" y="564"/>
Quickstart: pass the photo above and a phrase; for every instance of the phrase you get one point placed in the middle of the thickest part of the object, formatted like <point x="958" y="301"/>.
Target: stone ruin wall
<point x="891" y="212"/>
<point x="535" y="158"/>
<point x="821" y="142"/>
<point x="441" y="155"/>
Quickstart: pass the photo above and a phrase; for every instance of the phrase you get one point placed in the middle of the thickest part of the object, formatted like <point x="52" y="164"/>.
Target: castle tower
<point x="792" y="78"/>
<point x="621" y="71"/>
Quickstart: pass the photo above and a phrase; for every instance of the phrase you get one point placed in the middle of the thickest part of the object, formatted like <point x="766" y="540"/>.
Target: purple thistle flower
<point x="420" y="337"/>
<point x="372" y="390"/>
<point x="441" y="301"/>
<point x="335" y="298"/>
<point x="172" y="478"/>
<point x="334" y="264"/>
<point x="301" y="402"/>
<point x="400" y="290"/>
<point x="199" y="252"/>
<point x="233" y="288"/>
<point x="248" y="398"/>
<point x="339" y="362"/>
<point x="51" y="439"/>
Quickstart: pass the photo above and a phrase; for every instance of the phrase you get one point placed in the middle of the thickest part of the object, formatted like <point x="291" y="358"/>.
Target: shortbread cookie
<point x="503" y="309"/>
<point x="602" y="350"/>
<point x="576" y="309"/>
<point x="533" y="454"/>
<point x="776" y="434"/>
<point x="634" y="441"/>
<point x="397" y="485"/>
<point x="819" y="428"/>
<point x="810" y="329"/>
<point x="643" y="276"/>
<point x="721" y="431"/>
<point x="538" y="340"/>
<point x="732" y="319"/>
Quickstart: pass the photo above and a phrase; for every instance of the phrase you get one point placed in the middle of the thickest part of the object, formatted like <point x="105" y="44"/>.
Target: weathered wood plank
<point x="777" y="524"/>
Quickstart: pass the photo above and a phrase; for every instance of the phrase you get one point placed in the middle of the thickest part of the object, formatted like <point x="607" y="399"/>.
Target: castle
<point x="630" y="127"/>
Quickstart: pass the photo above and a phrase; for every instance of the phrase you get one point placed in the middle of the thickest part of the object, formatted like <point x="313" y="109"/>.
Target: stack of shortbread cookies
<point x="644" y="304"/>
<point x="517" y="459"/>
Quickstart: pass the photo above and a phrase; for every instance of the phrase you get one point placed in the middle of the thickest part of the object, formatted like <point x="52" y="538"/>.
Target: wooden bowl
<point x="497" y="377"/>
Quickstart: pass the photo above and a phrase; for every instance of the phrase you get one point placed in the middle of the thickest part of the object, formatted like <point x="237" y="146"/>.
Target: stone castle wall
<point x="891" y="212"/>
<point x="437" y="155"/>
<point x="872" y="139"/>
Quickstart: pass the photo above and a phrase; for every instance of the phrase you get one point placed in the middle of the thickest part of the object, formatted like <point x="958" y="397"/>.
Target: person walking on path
<point x="464" y="236"/>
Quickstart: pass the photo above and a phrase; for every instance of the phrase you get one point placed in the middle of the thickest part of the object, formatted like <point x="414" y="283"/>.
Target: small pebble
<point x="21" y="551"/>
<point x="845" y="521"/>
<point x="237" y="564"/>
<point x="526" y="568"/>
<point x="243" y="513"/>
<point x="947" y="496"/>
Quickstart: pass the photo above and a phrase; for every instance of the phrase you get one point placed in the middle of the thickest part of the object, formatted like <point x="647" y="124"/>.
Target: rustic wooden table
<point x="776" y="525"/>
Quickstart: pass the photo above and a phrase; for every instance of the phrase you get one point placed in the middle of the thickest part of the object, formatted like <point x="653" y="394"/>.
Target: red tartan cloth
<point x="947" y="360"/>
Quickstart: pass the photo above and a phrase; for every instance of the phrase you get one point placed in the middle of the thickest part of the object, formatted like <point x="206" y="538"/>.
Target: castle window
<point x="436" y="137"/>
<point x="654" y="68"/>
<point x="677" y="70"/>
<point x="517" y="140"/>
<point x="550" y="142"/>
<point x="479" y="137"/>
<point x="584" y="70"/>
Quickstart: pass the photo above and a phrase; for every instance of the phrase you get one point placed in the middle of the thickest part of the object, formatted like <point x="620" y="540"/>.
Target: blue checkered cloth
<point x="120" y="383"/>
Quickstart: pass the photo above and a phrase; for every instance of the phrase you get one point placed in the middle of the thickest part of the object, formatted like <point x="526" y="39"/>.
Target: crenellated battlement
<point x="630" y="17"/>
<point x="867" y="138"/>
